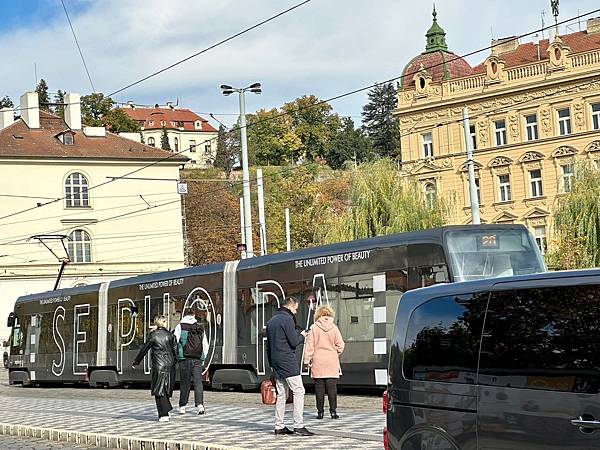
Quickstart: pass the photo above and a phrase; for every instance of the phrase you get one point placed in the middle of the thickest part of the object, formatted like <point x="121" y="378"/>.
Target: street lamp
<point x="256" y="89"/>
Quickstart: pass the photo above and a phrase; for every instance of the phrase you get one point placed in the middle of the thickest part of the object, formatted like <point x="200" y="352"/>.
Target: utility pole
<point x="261" y="212"/>
<point x="244" y="254"/>
<point x="475" y="218"/>
<point x="288" y="238"/>
<point x="228" y="90"/>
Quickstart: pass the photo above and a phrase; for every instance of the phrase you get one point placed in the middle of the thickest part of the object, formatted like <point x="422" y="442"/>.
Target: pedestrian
<point x="192" y="347"/>
<point x="282" y="340"/>
<point x="162" y="344"/>
<point x="324" y="344"/>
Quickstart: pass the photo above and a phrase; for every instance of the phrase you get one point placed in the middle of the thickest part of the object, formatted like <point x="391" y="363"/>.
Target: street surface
<point x="233" y="419"/>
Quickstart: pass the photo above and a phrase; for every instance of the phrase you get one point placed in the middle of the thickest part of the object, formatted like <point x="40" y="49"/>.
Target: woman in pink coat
<point x="324" y="344"/>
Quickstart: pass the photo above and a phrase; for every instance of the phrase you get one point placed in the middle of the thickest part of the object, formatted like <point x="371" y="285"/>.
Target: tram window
<point x="420" y="255"/>
<point x="442" y="339"/>
<point x="355" y="312"/>
<point x="427" y="275"/>
<point x="17" y="335"/>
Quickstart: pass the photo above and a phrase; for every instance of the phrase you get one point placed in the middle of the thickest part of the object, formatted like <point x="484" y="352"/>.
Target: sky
<point x="325" y="48"/>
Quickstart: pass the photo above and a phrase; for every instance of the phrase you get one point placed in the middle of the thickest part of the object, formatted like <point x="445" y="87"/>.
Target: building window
<point x="567" y="177"/>
<point x="473" y="135"/>
<point x="76" y="191"/>
<point x="540" y="237"/>
<point x="500" y="126"/>
<point x="427" y="145"/>
<point x="596" y="116"/>
<point x="80" y="247"/>
<point x="68" y="139"/>
<point x="478" y="191"/>
<point x="192" y="146"/>
<point x="176" y="144"/>
<point x="151" y="142"/>
<point x="207" y="148"/>
<point x="430" y="195"/>
<point x="564" y="121"/>
<point x="504" y="188"/>
<point x="536" y="182"/>
<point x="532" y="127"/>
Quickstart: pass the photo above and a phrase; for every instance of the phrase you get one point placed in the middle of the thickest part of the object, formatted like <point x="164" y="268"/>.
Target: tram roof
<point x="59" y="293"/>
<point x="422" y="236"/>
<point x="159" y="276"/>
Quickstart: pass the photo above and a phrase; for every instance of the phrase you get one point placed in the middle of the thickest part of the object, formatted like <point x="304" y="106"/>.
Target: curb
<point x="105" y="440"/>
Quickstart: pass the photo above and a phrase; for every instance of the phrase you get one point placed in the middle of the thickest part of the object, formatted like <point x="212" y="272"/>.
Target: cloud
<point x="325" y="47"/>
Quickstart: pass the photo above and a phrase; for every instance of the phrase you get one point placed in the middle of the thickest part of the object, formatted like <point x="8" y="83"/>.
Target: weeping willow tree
<point x="382" y="202"/>
<point x="576" y="242"/>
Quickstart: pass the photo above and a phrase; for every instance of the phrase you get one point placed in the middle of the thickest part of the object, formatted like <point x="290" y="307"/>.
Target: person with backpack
<point x="192" y="347"/>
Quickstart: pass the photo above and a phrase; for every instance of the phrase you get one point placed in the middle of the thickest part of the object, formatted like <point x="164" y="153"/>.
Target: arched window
<point x="430" y="194"/>
<point x="176" y="144"/>
<point x="151" y="142"/>
<point x="76" y="191"/>
<point x="80" y="247"/>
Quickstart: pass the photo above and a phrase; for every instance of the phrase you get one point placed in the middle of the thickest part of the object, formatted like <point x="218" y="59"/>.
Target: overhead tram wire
<point x="355" y="91"/>
<point x="221" y="42"/>
<point x="78" y="46"/>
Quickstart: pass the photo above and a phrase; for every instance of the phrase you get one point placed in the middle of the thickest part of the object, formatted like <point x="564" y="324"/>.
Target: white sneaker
<point x="164" y="419"/>
<point x="201" y="410"/>
<point x="182" y="410"/>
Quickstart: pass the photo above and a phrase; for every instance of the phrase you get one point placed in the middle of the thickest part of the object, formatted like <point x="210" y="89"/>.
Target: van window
<point x="543" y="339"/>
<point x="443" y="337"/>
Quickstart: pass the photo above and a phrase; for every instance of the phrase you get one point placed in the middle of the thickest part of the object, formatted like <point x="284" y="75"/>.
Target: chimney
<point x="73" y="111"/>
<point x="504" y="45"/>
<point x="593" y="25"/>
<point x="6" y="117"/>
<point x="30" y="109"/>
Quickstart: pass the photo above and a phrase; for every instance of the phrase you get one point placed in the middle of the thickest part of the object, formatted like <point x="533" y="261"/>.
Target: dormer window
<point x="198" y="124"/>
<point x="66" y="137"/>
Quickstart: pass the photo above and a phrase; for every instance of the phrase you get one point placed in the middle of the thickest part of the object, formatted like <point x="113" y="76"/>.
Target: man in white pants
<point x="282" y="340"/>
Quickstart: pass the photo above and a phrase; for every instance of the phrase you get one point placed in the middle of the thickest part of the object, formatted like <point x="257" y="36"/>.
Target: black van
<point x="505" y="363"/>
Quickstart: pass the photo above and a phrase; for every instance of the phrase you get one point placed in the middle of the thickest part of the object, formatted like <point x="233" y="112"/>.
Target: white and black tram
<point x="91" y="334"/>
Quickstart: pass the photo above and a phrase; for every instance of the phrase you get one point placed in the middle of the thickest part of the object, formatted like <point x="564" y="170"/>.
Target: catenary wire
<point x="78" y="46"/>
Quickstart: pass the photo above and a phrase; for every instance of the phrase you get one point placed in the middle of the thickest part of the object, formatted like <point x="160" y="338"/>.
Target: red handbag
<point x="268" y="393"/>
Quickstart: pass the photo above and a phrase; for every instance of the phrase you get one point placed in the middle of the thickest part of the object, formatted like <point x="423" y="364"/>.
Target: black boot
<point x="334" y="414"/>
<point x="320" y="414"/>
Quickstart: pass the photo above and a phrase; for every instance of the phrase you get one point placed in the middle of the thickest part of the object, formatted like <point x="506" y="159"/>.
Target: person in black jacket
<point x="162" y="344"/>
<point x="282" y="340"/>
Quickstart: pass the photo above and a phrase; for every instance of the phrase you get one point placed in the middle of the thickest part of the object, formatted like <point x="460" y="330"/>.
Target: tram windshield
<point x="488" y="253"/>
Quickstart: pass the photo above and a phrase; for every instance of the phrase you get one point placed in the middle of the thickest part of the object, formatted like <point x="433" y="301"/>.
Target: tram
<point x="91" y="334"/>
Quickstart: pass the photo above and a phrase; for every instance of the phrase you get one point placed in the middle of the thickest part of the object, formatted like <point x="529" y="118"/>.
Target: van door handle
<point x="583" y="423"/>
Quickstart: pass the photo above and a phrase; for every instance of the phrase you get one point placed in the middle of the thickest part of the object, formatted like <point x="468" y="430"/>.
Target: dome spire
<point x="436" y="36"/>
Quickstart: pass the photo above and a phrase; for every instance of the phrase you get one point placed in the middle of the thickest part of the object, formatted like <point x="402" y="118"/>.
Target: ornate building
<point x="534" y="110"/>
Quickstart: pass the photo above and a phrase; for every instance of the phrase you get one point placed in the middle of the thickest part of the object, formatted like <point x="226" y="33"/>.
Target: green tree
<point x="576" y="242"/>
<point x="6" y="102"/>
<point x="59" y="98"/>
<point x="314" y="124"/>
<point x="272" y="139"/>
<point x="228" y="149"/>
<point x="43" y="97"/>
<point x="94" y="107"/>
<point x="349" y="146"/>
<point x="382" y="202"/>
<point x="164" y="140"/>
<point x="380" y="124"/>
<point x="118" y="122"/>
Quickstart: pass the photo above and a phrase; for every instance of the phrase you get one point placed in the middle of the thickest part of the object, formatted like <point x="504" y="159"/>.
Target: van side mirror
<point x="11" y="320"/>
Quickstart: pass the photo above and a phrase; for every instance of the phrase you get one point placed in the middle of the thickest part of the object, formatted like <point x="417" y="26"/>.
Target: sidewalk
<point x="133" y="425"/>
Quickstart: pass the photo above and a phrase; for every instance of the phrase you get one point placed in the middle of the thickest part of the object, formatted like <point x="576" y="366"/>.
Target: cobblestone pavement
<point x="227" y="423"/>
<point x="21" y="443"/>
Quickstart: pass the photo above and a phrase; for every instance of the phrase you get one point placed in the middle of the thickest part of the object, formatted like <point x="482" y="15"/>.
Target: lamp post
<point x="228" y="90"/>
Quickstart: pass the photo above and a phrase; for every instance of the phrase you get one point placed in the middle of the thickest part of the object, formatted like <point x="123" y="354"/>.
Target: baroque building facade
<point x="534" y="113"/>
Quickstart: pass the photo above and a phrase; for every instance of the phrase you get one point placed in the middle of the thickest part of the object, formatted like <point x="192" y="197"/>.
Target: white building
<point x="56" y="178"/>
<point x="189" y="134"/>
